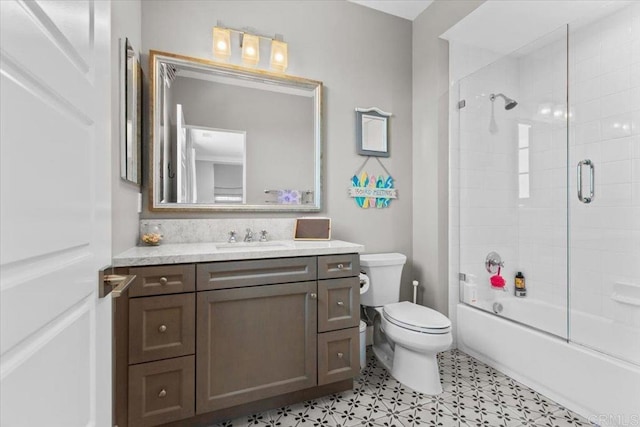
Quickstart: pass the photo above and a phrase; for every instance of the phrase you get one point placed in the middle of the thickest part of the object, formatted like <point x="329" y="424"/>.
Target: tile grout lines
<point x="474" y="395"/>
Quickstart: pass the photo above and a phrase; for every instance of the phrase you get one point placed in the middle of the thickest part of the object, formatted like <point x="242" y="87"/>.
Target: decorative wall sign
<point x="371" y="191"/>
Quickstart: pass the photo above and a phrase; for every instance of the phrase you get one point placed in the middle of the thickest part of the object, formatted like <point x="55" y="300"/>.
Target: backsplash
<point x="217" y="230"/>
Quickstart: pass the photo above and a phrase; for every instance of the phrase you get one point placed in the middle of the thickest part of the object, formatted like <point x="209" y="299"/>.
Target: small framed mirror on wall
<point x="130" y="113"/>
<point x="372" y="132"/>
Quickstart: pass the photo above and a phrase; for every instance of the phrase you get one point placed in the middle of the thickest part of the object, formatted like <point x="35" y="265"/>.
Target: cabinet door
<point x="338" y="355"/>
<point x="254" y="343"/>
<point x="160" y="392"/>
<point x="336" y="266"/>
<point x="161" y="327"/>
<point x="166" y="279"/>
<point x="338" y="304"/>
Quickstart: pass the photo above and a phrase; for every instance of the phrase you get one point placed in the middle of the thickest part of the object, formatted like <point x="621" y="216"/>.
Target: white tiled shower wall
<point x="484" y="167"/>
<point x="605" y="127"/>
<point x="463" y="60"/>
<point x="531" y="234"/>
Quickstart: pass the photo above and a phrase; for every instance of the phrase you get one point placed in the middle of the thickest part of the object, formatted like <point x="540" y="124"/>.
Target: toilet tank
<point x="384" y="271"/>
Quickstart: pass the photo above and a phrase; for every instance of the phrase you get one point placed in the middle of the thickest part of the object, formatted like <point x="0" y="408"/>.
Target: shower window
<point x="523" y="161"/>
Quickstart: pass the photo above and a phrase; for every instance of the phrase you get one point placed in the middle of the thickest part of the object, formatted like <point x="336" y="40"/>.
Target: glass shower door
<point x="513" y="184"/>
<point x="604" y="197"/>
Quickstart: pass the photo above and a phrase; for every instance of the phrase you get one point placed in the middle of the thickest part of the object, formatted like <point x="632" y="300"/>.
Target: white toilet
<point x="407" y="336"/>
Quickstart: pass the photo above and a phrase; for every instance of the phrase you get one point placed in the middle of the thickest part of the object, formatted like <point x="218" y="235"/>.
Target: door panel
<point x="254" y="343"/>
<point x="604" y="150"/>
<point x="54" y="213"/>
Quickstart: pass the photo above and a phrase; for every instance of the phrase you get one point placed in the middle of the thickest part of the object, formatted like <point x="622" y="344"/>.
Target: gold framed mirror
<point x="230" y="138"/>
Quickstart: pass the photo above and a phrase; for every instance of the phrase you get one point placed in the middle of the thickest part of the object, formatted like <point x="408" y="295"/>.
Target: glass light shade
<point x="221" y="43"/>
<point x="250" y="49"/>
<point x="279" y="57"/>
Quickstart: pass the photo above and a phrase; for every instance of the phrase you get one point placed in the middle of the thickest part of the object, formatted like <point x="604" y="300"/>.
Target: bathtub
<point x="603" y="389"/>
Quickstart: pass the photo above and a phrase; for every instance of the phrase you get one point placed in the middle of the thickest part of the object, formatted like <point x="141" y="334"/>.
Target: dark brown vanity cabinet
<point x="210" y="341"/>
<point x="255" y="343"/>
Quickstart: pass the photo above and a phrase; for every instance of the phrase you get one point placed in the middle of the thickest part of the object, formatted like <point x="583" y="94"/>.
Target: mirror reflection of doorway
<point x="210" y="163"/>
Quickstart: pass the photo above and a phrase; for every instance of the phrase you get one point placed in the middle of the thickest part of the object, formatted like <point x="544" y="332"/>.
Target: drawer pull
<point x="164" y="281"/>
<point x="162" y="329"/>
<point x="313" y="295"/>
<point x="340" y="355"/>
<point x="340" y="303"/>
<point x="340" y="266"/>
<point x="162" y="393"/>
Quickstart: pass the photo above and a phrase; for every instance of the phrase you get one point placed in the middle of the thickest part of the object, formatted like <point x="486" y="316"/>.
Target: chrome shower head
<point x="508" y="102"/>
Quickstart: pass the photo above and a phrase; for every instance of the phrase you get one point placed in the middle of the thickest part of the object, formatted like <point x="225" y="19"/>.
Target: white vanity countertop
<point x="181" y="253"/>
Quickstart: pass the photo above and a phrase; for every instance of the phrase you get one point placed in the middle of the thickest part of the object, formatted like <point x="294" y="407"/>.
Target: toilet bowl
<point x="407" y="336"/>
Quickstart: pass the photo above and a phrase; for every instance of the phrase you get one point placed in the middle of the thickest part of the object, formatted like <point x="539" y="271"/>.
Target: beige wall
<point x="125" y="20"/>
<point x="431" y="146"/>
<point x="362" y="56"/>
<point x="365" y="58"/>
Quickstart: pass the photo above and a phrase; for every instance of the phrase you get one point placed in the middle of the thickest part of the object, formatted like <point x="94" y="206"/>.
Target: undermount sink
<point x="253" y="245"/>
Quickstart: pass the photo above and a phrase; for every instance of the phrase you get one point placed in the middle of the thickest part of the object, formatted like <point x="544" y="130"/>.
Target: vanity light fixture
<point x="221" y="42"/>
<point x="250" y="49"/>
<point x="250" y="44"/>
<point x="279" y="56"/>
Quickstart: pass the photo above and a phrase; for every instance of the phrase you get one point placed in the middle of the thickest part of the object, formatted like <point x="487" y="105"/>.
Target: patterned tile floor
<point x="474" y="395"/>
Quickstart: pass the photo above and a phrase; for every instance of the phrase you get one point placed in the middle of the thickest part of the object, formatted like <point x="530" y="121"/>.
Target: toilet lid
<point x="417" y="318"/>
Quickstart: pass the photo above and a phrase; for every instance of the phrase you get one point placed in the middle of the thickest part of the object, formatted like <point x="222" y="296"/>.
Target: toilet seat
<point x="416" y="318"/>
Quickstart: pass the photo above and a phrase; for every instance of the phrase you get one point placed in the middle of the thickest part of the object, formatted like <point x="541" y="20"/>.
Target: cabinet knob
<point x="164" y="280"/>
<point x="340" y="266"/>
<point x="340" y="355"/>
<point x="162" y="393"/>
<point x="162" y="329"/>
<point x="313" y="295"/>
<point x="340" y="303"/>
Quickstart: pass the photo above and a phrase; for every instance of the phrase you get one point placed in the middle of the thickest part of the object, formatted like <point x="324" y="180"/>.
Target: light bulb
<point x="221" y="43"/>
<point x="279" y="60"/>
<point x="250" y="49"/>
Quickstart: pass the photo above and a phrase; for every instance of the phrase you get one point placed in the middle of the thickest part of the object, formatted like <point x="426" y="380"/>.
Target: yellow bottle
<point x="520" y="285"/>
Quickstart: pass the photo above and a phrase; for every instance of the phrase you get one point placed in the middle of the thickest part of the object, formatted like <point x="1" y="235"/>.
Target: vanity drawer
<point x="338" y="355"/>
<point x="336" y="266"/>
<point x="338" y="304"/>
<point x="169" y="279"/>
<point x="237" y="274"/>
<point x="161" y="392"/>
<point x="161" y="327"/>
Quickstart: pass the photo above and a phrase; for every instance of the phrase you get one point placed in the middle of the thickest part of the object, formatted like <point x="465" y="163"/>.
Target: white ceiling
<point x="504" y="26"/>
<point x="217" y="144"/>
<point x="407" y="9"/>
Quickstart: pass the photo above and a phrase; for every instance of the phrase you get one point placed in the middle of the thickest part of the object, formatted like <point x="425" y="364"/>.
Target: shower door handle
<point x="592" y="180"/>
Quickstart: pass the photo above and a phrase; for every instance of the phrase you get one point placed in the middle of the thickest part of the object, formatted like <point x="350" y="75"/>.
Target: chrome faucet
<point x="232" y="237"/>
<point x="249" y="236"/>
<point x="263" y="235"/>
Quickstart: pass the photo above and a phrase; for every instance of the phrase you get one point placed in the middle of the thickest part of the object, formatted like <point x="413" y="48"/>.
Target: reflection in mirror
<point x="230" y="138"/>
<point x="371" y="132"/>
<point x="131" y="105"/>
<point x="374" y="133"/>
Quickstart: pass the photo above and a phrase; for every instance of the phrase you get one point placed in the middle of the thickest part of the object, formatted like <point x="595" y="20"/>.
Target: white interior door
<point x="55" y="337"/>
